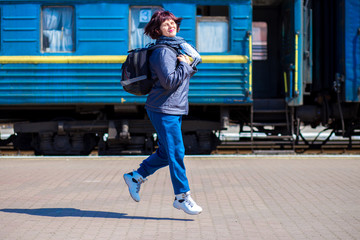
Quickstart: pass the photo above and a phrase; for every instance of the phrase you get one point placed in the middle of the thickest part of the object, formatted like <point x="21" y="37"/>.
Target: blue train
<point x="268" y="65"/>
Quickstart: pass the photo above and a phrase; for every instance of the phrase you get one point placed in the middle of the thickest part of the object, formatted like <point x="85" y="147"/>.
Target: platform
<point x="243" y="197"/>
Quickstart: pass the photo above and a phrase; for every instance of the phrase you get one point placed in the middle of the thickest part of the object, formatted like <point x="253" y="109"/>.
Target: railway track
<point x="273" y="148"/>
<point x="264" y="147"/>
<point x="311" y="141"/>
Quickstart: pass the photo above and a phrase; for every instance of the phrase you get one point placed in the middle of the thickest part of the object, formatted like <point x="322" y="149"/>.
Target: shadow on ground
<point x="73" y="212"/>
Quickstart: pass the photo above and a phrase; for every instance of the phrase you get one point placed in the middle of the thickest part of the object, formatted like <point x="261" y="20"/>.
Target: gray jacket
<point x="170" y="93"/>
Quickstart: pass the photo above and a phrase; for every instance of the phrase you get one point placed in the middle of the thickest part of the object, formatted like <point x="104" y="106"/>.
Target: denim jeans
<point x="171" y="150"/>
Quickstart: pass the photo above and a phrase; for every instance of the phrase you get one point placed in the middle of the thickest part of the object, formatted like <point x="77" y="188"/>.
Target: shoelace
<point x="139" y="182"/>
<point x="189" y="201"/>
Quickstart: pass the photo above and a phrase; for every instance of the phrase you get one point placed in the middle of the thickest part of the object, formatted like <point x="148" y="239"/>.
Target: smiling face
<point x="168" y="28"/>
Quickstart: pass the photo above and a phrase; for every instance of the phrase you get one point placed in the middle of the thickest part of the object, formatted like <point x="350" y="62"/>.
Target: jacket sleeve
<point x="163" y="61"/>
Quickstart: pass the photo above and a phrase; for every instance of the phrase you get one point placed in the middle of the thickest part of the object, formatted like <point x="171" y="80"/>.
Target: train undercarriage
<point x="266" y="121"/>
<point x="80" y="133"/>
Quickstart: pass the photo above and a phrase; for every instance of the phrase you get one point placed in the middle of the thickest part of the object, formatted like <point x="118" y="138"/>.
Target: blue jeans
<point x="171" y="150"/>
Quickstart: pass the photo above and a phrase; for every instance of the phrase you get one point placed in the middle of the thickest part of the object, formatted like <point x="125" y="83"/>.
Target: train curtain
<point x="58" y="25"/>
<point x="139" y="18"/>
<point x="212" y="36"/>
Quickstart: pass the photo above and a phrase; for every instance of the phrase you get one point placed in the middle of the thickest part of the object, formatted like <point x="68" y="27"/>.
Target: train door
<point x="266" y="52"/>
<point x="281" y="50"/>
<point x="269" y="109"/>
<point x="279" y="63"/>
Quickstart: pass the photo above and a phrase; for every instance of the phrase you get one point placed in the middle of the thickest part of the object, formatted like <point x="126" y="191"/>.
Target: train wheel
<point x="142" y="144"/>
<point x="191" y="143"/>
<point x="22" y="141"/>
<point x="201" y="142"/>
<point x="64" y="144"/>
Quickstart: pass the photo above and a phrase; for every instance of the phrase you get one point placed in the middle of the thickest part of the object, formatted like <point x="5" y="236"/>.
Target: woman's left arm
<point x="170" y="74"/>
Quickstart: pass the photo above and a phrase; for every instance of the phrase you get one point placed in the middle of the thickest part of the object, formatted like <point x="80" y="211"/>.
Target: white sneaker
<point x="184" y="202"/>
<point x="134" y="180"/>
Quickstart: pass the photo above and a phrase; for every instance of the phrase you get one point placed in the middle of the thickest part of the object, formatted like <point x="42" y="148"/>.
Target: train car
<point x="266" y="66"/>
<point x="332" y="96"/>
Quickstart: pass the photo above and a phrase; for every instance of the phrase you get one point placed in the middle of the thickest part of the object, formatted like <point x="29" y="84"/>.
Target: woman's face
<point x="168" y="28"/>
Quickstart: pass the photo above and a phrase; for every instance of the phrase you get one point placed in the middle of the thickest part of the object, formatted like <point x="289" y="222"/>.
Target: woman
<point x="165" y="105"/>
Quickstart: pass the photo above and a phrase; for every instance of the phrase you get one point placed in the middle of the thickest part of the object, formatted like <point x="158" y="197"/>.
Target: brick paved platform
<point x="243" y="197"/>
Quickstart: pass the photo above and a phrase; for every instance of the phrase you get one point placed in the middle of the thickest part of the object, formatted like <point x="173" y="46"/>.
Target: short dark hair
<point x="152" y="28"/>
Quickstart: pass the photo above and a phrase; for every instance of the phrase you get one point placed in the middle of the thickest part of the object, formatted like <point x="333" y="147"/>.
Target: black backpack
<point x="135" y="71"/>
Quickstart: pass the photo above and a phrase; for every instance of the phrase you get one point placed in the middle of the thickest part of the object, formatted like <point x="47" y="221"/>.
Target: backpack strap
<point x="152" y="48"/>
<point x="132" y="80"/>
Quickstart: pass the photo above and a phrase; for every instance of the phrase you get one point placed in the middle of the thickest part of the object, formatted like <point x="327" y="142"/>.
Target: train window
<point x="259" y="45"/>
<point x="212" y="29"/>
<point x="57" y="29"/>
<point x="139" y="17"/>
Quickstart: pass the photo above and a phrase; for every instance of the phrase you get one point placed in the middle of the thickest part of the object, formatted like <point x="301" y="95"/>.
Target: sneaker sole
<point x="186" y="212"/>
<point x="126" y="181"/>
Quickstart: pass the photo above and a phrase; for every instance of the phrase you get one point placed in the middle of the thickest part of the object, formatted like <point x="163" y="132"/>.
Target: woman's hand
<point x="184" y="58"/>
